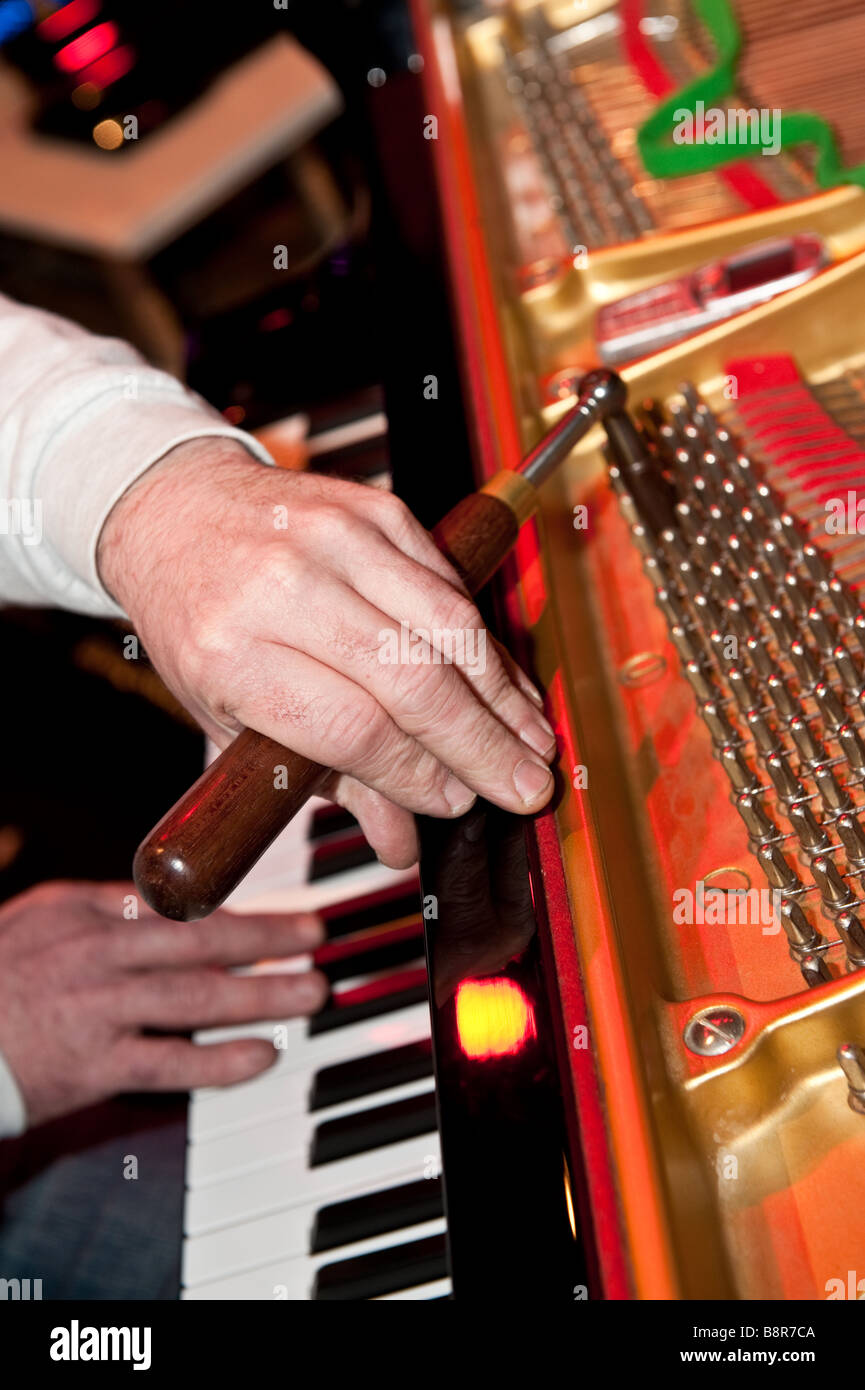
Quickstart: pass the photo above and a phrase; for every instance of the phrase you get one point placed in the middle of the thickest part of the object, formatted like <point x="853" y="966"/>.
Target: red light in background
<point x="109" y="68"/>
<point x="87" y="47"/>
<point x="67" y="19"/>
<point x="494" y="1018"/>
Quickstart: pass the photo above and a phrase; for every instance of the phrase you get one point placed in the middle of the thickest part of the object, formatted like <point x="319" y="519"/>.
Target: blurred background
<point x="241" y="196"/>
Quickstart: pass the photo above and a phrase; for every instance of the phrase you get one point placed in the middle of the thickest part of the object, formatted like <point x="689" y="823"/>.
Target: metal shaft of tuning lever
<point x="852" y="1060"/>
<point x="212" y="837"/>
<point x="852" y="933"/>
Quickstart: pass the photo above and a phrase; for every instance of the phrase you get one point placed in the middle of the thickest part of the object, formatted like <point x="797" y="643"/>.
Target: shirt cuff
<point x="130" y="439"/>
<point x="13" y="1116"/>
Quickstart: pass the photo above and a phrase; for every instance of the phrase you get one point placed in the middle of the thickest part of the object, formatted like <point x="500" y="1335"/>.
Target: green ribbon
<point x="663" y="158"/>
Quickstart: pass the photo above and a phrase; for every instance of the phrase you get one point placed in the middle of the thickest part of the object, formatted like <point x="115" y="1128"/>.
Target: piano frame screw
<point x="714" y="1031"/>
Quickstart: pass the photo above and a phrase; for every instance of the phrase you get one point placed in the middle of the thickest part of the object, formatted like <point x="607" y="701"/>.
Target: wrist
<point x="143" y="529"/>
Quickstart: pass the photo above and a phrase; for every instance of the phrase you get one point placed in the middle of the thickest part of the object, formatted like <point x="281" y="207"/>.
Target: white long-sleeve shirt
<point x="81" y="417"/>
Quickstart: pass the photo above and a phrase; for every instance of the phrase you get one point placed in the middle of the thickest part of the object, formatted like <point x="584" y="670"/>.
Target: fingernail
<point x="538" y="734"/>
<point x="530" y="780"/>
<point x="529" y="690"/>
<point x="458" y="796"/>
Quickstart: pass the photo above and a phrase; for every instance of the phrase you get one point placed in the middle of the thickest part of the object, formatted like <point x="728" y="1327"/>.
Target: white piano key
<point x="280" y="1235"/>
<point x="215" y="1160"/>
<point x="284" y="1089"/>
<point x="289" y="1183"/>
<point x="437" y="1288"/>
<point x="294" y="1279"/>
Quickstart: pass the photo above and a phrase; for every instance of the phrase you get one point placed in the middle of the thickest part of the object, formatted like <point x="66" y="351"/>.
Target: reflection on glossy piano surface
<point x="645" y="1072"/>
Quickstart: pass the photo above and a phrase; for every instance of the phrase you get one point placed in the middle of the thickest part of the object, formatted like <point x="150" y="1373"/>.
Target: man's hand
<point x="79" y="983"/>
<point x="264" y="599"/>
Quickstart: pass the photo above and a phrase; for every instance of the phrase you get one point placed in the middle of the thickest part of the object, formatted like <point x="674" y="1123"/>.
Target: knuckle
<point x="356" y="731"/>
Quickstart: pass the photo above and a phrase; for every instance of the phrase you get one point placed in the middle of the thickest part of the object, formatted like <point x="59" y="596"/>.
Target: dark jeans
<point x="74" y="1216"/>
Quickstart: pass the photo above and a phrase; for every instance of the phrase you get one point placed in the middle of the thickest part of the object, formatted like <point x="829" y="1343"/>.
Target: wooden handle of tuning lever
<point x="212" y="837"/>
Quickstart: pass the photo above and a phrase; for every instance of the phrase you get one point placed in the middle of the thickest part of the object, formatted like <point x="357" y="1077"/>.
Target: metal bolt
<point x="714" y="1031"/>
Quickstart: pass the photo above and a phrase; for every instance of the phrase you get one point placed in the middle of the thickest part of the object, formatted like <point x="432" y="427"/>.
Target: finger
<point x="422" y="602"/>
<point x="174" y="1064"/>
<point x="209" y="998"/>
<point x="225" y="938"/>
<point x="389" y="829"/>
<point x="397" y="727"/>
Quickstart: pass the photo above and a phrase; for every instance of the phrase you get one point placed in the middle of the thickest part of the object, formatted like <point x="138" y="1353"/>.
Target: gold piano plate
<point x="740" y="1169"/>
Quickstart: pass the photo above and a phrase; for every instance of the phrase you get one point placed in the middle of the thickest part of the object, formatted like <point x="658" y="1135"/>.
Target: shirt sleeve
<point x="81" y="418"/>
<point x="13" y="1116"/>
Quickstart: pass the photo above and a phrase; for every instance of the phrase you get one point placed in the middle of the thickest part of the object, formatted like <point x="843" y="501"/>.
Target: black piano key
<point x="388" y="905"/>
<point x="331" y="820"/>
<point x="385" y="1271"/>
<point x="339" y="854"/>
<point x="361" y="1218"/>
<point x="385" y="951"/>
<point x="363" y="1076"/>
<point x="384" y="997"/>
<point x="373" y="1129"/>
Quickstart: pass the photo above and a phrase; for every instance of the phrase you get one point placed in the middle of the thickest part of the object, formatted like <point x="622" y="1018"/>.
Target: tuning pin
<point x="686" y="646"/>
<point x="745" y="692"/>
<point x="752" y="525"/>
<point x="708" y="612"/>
<point x="758" y="654"/>
<point x="759" y="587"/>
<point x="853" y="935"/>
<point x="834" y="795"/>
<point x="852" y="1060"/>
<point x="802" y="936"/>
<point x="847" y="669"/>
<point x="821" y="632"/>
<point x="674" y="546"/>
<point x="726" y="448"/>
<point x="833" y="890"/>
<point x="815" y="971"/>
<point x="833" y="712"/>
<point x="719" y="726"/>
<point x="775" y="558"/>
<point x="783" y="699"/>
<point x="806" y="668"/>
<point x="809" y="749"/>
<point x="722" y="583"/>
<point x="736" y="619"/>
<point x="808" y="829"/>
<point x="852" y="837"/>
<point x="768" y="504"/>
<point x="702" y="685"/>
<point x="778" y="871"/>
<point x="792" y="533"/>
<point x="853" y="748"/>
<point x="817" y="566"/>
<point x="758" y="824"/>
<point x="784" y="780"/>
<point x="643" y="539"/>
<point x="762" y="732"/>
<point x="782" y="629"/>
<point x="690" y="579"/>
<point x="688" y="522"/>
<point x="842" y="600"/>
<point x="671" y="606"/>
<point x="740" y="774"/>
<point x="858" y="630"/>
<point x="800" y="598"/>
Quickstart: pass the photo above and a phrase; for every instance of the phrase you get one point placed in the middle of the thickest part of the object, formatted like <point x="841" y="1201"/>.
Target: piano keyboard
<point x="321" y="1179"/>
